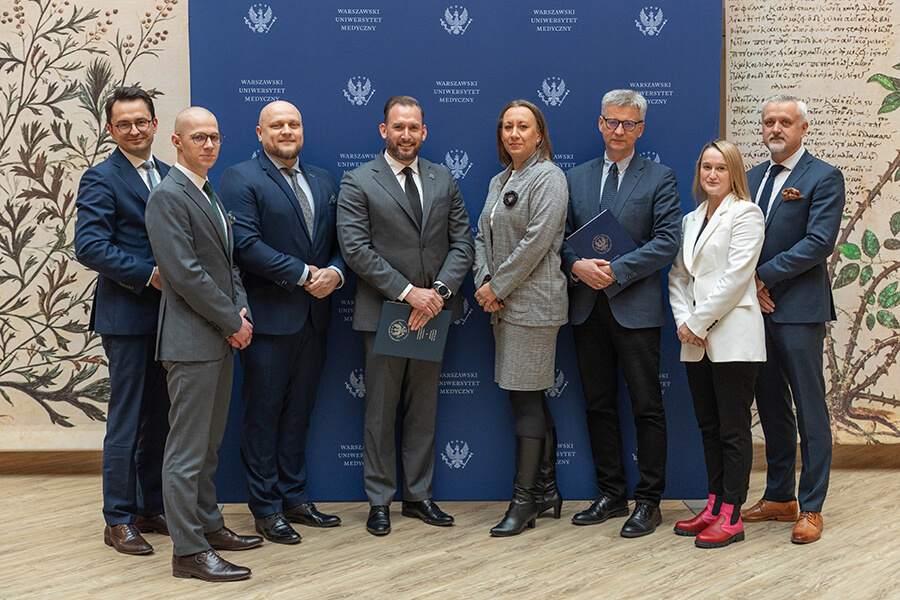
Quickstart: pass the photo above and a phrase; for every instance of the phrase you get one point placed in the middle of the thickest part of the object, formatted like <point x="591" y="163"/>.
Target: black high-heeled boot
<point x="547" y="495"/>
<point x="522" y="509"/>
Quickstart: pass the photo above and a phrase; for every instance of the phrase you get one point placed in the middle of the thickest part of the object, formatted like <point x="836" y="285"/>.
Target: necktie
<point x="412" y="194"/>
<point x="767" y="189"/>
<point x="207" y="189"/>
<point x="610" y="188"/>
<point x="305" y="207"/>
<point x="152" y="177"/>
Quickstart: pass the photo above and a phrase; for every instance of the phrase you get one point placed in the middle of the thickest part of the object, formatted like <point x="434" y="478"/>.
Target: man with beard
<point x="284" y="228"/>
<point x="802" y="199"/>
<point x="404" y="230"/>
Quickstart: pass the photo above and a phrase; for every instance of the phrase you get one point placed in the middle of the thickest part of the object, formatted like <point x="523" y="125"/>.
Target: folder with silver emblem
<point x="395" y="338"/>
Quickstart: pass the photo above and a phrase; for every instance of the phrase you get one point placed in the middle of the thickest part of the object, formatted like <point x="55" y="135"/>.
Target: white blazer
<point x="711" y="284"/>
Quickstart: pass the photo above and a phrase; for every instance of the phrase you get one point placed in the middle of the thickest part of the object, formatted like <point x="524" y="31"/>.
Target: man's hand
<point x="765" y="300"/>
<point x="322" y="282"/>
<point x="241" y="339"/>
<point x="155" y="280"/>
<point x="487" y="299"/>
<point x="686" y="336"/>
<point x="427" y="300"/>
<point x="595" y="272"/>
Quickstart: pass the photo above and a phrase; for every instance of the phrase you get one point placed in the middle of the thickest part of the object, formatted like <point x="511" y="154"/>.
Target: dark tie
<point x="412" y="194"/>
<point x="767" y="189"/>
<point x="305" y="208"/>
<point x="152" y="178"/>
<point x="211" y="196"/>
<point x="610" y="188"/>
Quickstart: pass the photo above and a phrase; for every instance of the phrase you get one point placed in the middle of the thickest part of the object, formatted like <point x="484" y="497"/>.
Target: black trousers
<point x="602" y="346"/>
<point x="723" y="393"/>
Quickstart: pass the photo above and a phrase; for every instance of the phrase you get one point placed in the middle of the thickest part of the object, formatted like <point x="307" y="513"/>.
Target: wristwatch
<point x="442" y="290"/>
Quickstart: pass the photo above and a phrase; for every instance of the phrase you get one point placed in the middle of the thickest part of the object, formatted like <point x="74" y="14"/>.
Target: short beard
<point x="284" y="154"/>
<point x="394" y="150"/>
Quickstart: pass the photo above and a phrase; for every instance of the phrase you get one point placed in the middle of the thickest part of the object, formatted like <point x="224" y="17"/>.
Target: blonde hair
<point x="735" y="164"/>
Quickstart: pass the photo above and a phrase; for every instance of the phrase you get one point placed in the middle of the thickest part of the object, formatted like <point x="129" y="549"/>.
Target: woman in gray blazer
<point x="519" y="280"/>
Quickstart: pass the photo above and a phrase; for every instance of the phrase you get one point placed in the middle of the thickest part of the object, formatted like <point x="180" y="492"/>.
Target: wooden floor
<point x="51" y="546"/>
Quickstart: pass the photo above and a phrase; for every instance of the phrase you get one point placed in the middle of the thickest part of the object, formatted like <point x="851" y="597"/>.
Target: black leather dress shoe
<point x="154" y="524"/>
<point x="225" y="539"/>
<point x="642" y="521"/>
<point x="428" y="511"/>
<point x="601" y="509"/>
<point x="207" y="566"/>
<point x="276" y="529"/>
<point x="308" y="514"/>
<point x="379" y="521"/>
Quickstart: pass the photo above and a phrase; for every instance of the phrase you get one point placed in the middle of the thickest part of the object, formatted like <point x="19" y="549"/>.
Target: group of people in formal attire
<point x="188" y="277"/>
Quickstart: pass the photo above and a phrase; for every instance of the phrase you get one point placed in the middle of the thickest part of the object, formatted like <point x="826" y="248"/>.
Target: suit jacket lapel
<point x="385" y="178"/>
<point x="632" y="176"/>
<point x="274" y="172"/>
<point x="427" y="176"/>
<point x="200" y="199"/>
<point x="795" y="174"/>
<point x="691" y="227"/>
<point x="130" y="175"/>
<point x="713" y="223"/>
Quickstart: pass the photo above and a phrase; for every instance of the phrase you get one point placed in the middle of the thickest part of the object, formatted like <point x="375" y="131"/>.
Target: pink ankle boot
<point x="722" y="532"/>
<point x="700" y="522"/>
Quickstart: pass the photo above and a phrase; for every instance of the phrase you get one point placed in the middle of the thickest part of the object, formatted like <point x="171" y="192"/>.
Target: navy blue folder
<point x="395" y="338"/>
<point x="601" y="237"/>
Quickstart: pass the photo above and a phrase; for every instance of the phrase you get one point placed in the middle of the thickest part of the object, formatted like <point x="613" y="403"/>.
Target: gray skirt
<point x="524" y="357"/>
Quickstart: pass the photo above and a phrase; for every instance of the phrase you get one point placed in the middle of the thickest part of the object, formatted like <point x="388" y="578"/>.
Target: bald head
<point x="197" y="139"/>
<point x="280" y="131"/>
<point x="188" y="116"/>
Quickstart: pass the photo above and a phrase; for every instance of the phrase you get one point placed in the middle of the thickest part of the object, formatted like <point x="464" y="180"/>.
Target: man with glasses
<point x="286" y="245"/>
<point x="110" y="238"/>
<point x="617" y="311"/>
<point x="203" y="319"/>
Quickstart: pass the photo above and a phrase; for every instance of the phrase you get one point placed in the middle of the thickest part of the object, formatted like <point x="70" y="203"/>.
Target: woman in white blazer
<point x="712" y="291"/>
<point x="520" y="282"/>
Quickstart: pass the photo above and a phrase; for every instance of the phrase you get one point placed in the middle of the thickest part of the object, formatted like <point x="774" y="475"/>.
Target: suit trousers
<point x="200" y="394"/>
<point x="390" y="379"/>
<point x="722" y="394"/>
<point x="793" y="370"/>
<point x="136" y="429"/>
<point x="281" y="378"/>
<point x="602" y="345"/>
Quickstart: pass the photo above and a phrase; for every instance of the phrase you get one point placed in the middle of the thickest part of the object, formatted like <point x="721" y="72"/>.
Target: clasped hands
<point x="322" y="281"/>
<point x="762" y="294"/>
<point x="595" y="272"/>
<point x="241" y="339"/>
<point x="686" y="336"/>
<point x="487" y="299"/>
<point x="426" y="303"/>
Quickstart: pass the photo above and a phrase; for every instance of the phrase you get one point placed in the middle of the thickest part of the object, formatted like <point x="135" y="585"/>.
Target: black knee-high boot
<point x="522" y="509"/>
<point x="548" y="495"/>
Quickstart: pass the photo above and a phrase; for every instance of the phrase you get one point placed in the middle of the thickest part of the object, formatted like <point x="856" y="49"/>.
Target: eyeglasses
<point x="199" y="139"/>
<point x="613" y="124"/>
<point x="141" y="124"/>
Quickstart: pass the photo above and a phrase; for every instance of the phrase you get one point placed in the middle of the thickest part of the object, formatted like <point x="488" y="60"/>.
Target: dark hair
<point x="125" y="93"/>
<point x="544" y="148"/>
<point x="402" y="101"/>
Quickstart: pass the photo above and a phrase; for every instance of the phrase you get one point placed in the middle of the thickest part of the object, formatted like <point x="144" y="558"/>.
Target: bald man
<point x="203" y="317"/>
<point x="285" y="245"/>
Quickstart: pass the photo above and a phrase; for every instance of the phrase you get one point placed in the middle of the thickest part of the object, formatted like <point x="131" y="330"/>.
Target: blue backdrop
<point x="339" y="61"/>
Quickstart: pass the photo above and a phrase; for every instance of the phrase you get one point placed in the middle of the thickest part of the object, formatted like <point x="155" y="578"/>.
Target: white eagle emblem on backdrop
<point x="558" y="385"/>
<point x="356" y="384"/>
<point x="650" y="155"/>
<point x="259" y="18"/>
<point x="553" y="91"/>
<point x="456" y="21"/>
<point x="466" y="312"/>
<point x="650" y="24"/>
<point x="359" y="91"/>
<point x="458" y="163"/>
<point x="456" y="457"/>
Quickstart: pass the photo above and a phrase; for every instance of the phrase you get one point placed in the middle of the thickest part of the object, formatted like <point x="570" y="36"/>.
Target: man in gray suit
<point x="616" y="309"/>
<point x="203" y="316"/>
<point x="403" y="228"/>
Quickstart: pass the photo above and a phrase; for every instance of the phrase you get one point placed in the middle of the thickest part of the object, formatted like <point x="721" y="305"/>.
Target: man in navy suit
<point x="110" y="238"/>
<point x="284" y="227"/>
<point x="617" y="310"/>
<point x="802" y="198"/>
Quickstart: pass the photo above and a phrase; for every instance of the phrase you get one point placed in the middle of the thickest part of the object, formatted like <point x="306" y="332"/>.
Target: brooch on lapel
<point x="431" y="176"/>
<point x="510" y="198"/>
<point x="791" y="194"/>
<point x="332" y="200"/>
<point x="231" y="216"/>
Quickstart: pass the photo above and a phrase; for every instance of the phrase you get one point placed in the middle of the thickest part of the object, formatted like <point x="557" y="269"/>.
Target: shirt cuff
<point x="305" y="277"/>
<point x="403" y="294"/>
<point x="340" y="273"/>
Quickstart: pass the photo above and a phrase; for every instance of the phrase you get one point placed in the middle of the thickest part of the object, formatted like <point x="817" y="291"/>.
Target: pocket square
<point x="791" y="194"/>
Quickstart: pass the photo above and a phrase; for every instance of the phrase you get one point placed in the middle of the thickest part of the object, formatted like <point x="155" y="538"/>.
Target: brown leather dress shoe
<point x="154" y="524"/>
<point x="126" y="539"/>
<point x="766" y="510"/>
<point x="808" y="528"/>
<point x="207" y="566"/>
<point x="226" y="539"/>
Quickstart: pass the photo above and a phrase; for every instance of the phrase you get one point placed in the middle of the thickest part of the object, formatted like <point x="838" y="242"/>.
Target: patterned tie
<point x="305" y="206"/>
<point x="152" y="177"/>
<point x="207" y="189"/>
<point x="412" y="194"/>
<point x="767" y="189"/>
<point x="610" y="188"/>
